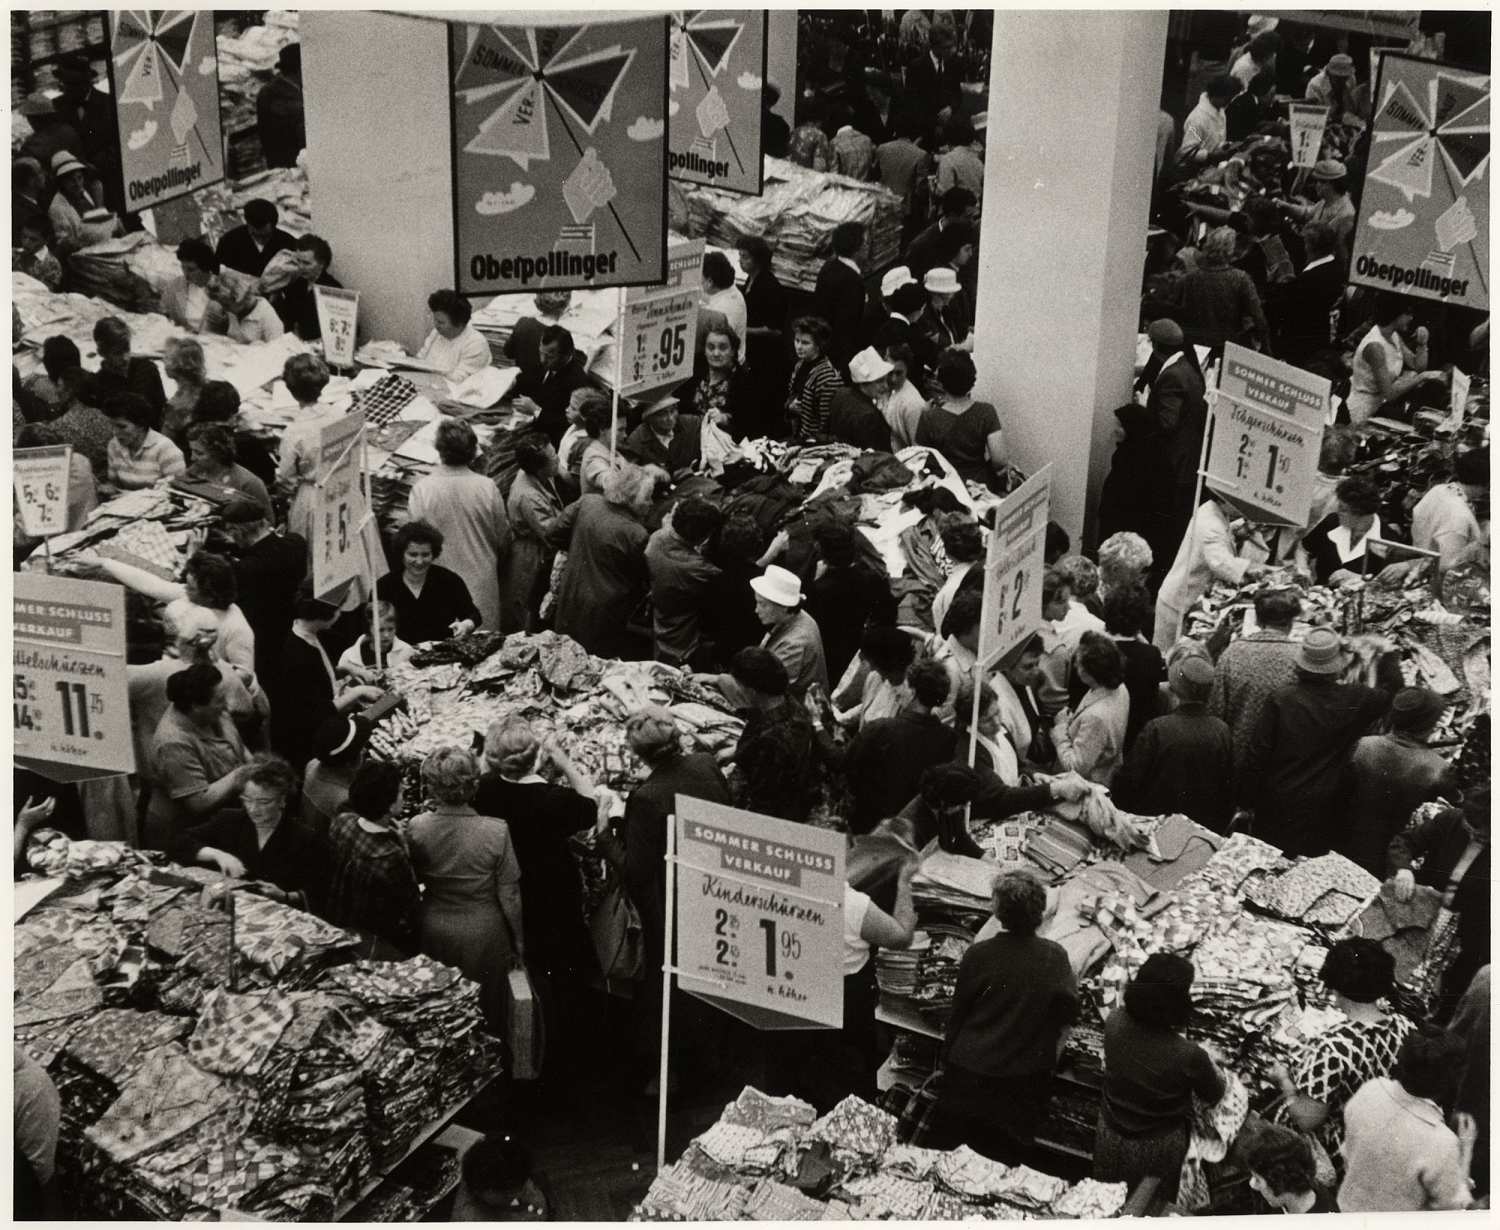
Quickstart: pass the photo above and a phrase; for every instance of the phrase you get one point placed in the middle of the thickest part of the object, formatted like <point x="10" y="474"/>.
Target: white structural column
<point x="781" y="59"/>
<point x="376" y="103"/>
<point x="1074" y="97"/>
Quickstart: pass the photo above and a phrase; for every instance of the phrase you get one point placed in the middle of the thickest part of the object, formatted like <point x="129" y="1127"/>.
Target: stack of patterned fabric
<point x="285" y="945"/>
<point x="1327" y="891"/>
<point x="937" y="972"/>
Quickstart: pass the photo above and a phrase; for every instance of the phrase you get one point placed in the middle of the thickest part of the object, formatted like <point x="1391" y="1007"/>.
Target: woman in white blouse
<point x="454" y="348"/>
<point x="251" y="318"/>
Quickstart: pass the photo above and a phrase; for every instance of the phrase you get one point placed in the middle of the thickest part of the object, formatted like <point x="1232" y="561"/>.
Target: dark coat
<point x="1180" y="764"/>
<point x="856" y="420"/>
<point x="839" y="298"/>
<point x="1300" y="310"/>
<point x="684" y="450"/>
<point x="445" y="599"/>
<point x="266" y="577"/>
<point x="238" y="250"/>
<point x="1137" y="495"/>
<point x="605" y="577"/>
<point x="931" y="89"/>
<point x="551" y="391"/>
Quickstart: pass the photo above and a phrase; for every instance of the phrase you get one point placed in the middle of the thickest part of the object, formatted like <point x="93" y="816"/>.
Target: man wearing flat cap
<point x="1390" y="775"/>
<point x="1334" y="207"/>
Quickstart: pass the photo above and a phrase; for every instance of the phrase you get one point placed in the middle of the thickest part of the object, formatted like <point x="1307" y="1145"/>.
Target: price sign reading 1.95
<point x="70" y="703"/>
<point x="760" y="915"/>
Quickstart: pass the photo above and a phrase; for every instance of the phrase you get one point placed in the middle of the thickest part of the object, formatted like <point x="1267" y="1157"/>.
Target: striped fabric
<point x="811" y="398"/>
<point x="157" y="458"/>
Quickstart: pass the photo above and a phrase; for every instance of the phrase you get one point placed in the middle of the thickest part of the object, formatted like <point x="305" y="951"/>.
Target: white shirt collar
<point x="1322" y="260"/>
<point x="850" y="262"/>
<point x="1167" y="362"/>
<point x="1339" y="537"/>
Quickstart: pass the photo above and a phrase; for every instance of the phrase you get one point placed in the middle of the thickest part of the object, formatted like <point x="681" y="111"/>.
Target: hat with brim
<point x="1329" y="169"/>
<point x="941" y="281"/>
<point x="1339" y="65"/>
<point x="75" y="67"/>
<point x="778" y="585"/>
<point x="36" y="104"/>
<point x="895" y="279"/>
<point x="1322" y="653"/>
<point x="64" y="163"/>
<point x="868" y="366"/>
<point x="660" y="406"/>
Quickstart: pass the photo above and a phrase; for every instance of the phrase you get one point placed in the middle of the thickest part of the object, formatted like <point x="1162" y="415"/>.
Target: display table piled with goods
<point x="218" y="1051"/>
<point x="775" y="1159"/>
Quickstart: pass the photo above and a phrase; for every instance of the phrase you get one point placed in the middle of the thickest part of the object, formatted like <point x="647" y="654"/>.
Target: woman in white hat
<point x="77" y="221"/>
<point x="791" y="633"/>
<point x="941" y="322"/>
<point x="858" y="414"/>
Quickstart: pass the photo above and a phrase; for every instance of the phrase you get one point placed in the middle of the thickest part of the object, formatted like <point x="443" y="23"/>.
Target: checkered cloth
<point x="384" y="400"/>
<point x="146" y="544"/>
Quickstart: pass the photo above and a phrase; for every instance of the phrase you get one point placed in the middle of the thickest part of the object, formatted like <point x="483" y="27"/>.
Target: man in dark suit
<point x="926" y="251"/>
<point x="544" y="391"/>
<point x="248" y="248"/>
<point x="1300" y="310"/>
<point x="524" y="345"/>
<point x="268" y="569"/>
<point x="902" y="326"/>
<point x="839" y="297"/>
<point x="933" y="80"/>
<point x="1174" y="399"/>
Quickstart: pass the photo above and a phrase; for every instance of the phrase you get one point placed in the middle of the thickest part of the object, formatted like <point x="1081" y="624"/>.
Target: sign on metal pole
<point x="41" y="483"/>
<point x="339" y="514"/>
<point x="659" y="325"/>
<point x="1012" y="609"/>
<point x="1265" y="432"/>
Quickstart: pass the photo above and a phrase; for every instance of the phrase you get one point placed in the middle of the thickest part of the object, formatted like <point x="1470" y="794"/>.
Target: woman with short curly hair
<point x="471" y="907"/>
<point x="1090" y="739"/>
<point x="214" y="459"/>
<point x="1015" y="1000"/>
<point x="305" y="376"/>
<point x="466" y="508"/>
<point x="1124" y="561"/>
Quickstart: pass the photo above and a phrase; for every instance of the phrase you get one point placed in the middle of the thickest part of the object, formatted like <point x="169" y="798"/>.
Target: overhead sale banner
<point x="559" y="155"/>
<point x="164" y="74"/>
<point x="718" y="80"/>
<point x="1424" y="218"/>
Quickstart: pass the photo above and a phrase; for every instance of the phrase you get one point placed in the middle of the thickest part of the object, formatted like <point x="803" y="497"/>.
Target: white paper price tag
<point x="1012" y="610"/>
<point x="41" y="484"/>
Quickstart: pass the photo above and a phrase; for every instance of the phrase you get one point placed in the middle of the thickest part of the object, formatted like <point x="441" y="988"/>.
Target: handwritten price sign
<point x="41" y="484"/>
<point x="70" y="704"/>
<point x="338" y="318"/>
<point x="760" y="916"/>
<point x="1266" y="429"/>
<point x="339" y="515"/>
<point x="1012" y="609"/>
<point x="659" y="331"/>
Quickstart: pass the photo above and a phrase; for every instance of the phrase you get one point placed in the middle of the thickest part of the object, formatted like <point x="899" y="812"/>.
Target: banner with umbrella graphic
<point x="718" y="81"/>
<point x="559" y="155"/>
<point x="164" y="74"/>
<point x="1424" y="219"/>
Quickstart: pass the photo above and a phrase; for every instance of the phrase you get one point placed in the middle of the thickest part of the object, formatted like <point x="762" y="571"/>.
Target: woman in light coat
<point x="467" y="509"/>
<point x="533" y="506"/>
<point x="1207" y="554"/>
<point x="1090" y="739"/>
<point x="306" y="377"/>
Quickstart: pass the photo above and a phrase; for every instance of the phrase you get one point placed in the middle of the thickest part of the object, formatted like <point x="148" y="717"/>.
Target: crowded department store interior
<point x="740" y="614"/>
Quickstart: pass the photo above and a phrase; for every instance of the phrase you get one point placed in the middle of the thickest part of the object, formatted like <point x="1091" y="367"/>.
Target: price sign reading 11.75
<point x="760" y="916"/>
<point x="71" y="705"/>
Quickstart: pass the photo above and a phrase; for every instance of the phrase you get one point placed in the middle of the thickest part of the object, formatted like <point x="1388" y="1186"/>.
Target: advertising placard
<point x="164" y="75"/>
<point x="339" y="515"/>
<point x="760" y="927"/>
<point x="559" y="155"/>
<point x="1265" y="430"/>
<point x="71" y="698"/>
<point x="338" y="318"/>
<point x="718" y="78"/>
<point x="1308" y="120"/>
<point x="41" y="482"/>
<point x="1424" y="217"/>
<point x="1012" y="609"/>
<point x="660" y="328"/>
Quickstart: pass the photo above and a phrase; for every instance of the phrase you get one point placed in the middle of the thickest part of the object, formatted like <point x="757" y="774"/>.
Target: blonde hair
<point x="512" y="746"/>
<point x="1217" y="249"/>
<point x="629" y="486"/>
<point x="1123" y="557"/>
<point x="184" y="360"/>
<point x="450" y="775"/>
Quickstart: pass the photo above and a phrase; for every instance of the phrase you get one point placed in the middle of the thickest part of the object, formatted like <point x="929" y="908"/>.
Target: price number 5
<point x="671" y="347"/>
<point x="336" y="531"/>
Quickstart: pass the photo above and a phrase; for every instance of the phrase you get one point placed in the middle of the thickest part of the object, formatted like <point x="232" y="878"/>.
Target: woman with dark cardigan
<point x="432" y="603"/>
<point x="259" y="839"/>
<point x="1151" y="1075"/>
<point x="305" y="692"/>
<point x="372" y="888"/>
<point x="1015" y="1000"/>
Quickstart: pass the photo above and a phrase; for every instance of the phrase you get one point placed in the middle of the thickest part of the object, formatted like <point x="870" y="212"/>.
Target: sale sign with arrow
<point x="164" y="74"/>
<point x="559" y="155"/>
<point x="1264" y="434"/>
<point x="659" y="329"/>
<point x="718" y="80"/>
<point x="41" y="482"/>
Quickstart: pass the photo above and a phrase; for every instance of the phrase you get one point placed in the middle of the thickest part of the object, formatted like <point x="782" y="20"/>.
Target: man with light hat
<point x="77" y="219"/>
<point x="1183" y="763"/>
<point x="1334" y="207"/>
<point x="791" y="633"/>
<point x="943" y="287"/>
<point x="1340" y="68"/>
<point x="1294" y="772"/>
<point x="1390" y="775"/>
<point x="666" y="437"/>
<point x="858" y="413"/>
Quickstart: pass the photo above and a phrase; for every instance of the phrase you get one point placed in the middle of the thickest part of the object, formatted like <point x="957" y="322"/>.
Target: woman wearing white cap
<point x="77" y="221"/>
<point x="791" y="633"/>
<point x="858" y="414"/>
<point x="941" y="322"/>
